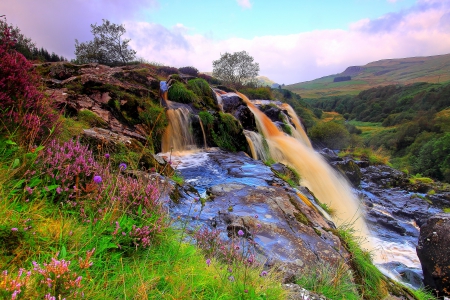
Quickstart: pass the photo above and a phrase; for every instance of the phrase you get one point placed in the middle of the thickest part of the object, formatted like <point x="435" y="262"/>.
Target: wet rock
<point x="330" y="155"/>
<point x="350" y="170"/>
<point x="285" y="227"/>
<point x="384" y="176"/>
<point x="405" y="274"/>
<point x="433" y="251"/>
<point x="112" y="141"/>
<point x="389" y="222"/>
<point x="296" y="292"/>
<point x="234" y="105"/>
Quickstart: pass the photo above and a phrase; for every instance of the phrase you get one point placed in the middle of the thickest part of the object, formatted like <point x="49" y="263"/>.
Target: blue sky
<point x="226" y="19"/>
<point x="293" y="41"/>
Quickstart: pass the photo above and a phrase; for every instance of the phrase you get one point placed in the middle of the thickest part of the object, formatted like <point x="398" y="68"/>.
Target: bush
<point x="24" y="109"/>
<point x="166" y="70"/>
<point x="228" y="134"/>
<point x="333" y="135"/>
<point x="209" y="79"/>
<point x="156" y="120"/>
<point x="189" y="71"/>
<point x="258" y="93"/>
<point x="179" y="93"/>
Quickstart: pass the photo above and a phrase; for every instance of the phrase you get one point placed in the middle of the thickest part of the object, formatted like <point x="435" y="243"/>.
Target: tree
<point x="236" y="69"/>
<point x="23" y="44"/>
<point x="108" y="46"/>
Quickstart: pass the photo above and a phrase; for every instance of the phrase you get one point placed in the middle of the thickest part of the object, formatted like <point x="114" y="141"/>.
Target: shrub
<point x="156" y="120"/>
<point x="202" y="89"/>
<point x="66" y="167"/>
<point x="189" y="71"/>
<point x="24" y="109"/>
<point x="258" y="93"/>
<point x="166" y="70"/>
<point x="209" y="79"/>
<point x="228" y="134"/>
<point x="333" y="135"/>
<point x="179" y="93"/>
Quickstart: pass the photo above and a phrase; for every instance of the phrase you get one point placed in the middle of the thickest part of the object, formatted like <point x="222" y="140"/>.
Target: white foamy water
<point x="186" y="159"/>
<point x="403" y="252"/>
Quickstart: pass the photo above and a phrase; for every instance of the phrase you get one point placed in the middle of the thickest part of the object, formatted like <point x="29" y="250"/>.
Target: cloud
<point x="422" y="30"/>
<point x="419" y="31"/>
<point x="56" y="24"/>
<point x="244" y="3"/>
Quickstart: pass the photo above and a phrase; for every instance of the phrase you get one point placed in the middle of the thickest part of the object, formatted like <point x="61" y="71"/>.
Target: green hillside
<point x="433" y="69"/>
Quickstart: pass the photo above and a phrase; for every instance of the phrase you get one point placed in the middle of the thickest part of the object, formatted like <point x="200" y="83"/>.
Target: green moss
<point x="179" y="93"/>
<point x="228" y="133"/>
<point x="90" y="118"/>
<point x="299" y="216"/>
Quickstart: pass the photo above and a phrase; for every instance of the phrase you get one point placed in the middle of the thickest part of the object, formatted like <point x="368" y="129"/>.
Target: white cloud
<point x="303" y="56"/>
<point x="244" y="3"/>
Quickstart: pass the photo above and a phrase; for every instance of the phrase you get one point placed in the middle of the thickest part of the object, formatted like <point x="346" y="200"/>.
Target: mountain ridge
<point x="433" y="69"/>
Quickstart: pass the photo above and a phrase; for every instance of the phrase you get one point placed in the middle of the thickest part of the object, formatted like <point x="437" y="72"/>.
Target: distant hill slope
<point x="431" y="69"/>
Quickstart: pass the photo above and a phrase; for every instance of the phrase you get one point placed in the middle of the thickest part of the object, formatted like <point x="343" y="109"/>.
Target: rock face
<point x="244" y="194"/>
<point x="434" y="253"/>
<point x="234" y="105"/>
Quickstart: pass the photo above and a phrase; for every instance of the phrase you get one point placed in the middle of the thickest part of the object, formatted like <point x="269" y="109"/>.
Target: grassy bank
<point x="74" y="225"/>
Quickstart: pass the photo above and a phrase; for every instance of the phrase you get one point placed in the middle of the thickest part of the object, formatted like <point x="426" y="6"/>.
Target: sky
<point x="293" y="41"/>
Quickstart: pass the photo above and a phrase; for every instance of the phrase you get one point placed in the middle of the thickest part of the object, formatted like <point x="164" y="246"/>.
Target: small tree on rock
<point x="108" y="46"/>
<point x="236" y="69"/>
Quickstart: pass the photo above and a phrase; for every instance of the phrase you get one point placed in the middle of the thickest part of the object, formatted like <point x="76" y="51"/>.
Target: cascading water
<point x="203" y="132"/>
<point x="256" y="143"/>
<point x="298" y="125"/>
<point x="178" y="135"/>
<point x="316" y="174"/>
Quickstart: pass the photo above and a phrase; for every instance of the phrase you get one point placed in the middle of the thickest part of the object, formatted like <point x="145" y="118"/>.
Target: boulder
<point x="349" y="169"/>
<point x="234" y="105"/>
<point x="433" y="251"/>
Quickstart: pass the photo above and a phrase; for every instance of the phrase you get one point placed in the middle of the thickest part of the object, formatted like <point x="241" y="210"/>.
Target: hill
<point x="433" y="69"/>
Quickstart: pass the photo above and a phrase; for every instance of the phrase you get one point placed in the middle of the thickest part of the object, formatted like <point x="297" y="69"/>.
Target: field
<point x="433" y="69"/>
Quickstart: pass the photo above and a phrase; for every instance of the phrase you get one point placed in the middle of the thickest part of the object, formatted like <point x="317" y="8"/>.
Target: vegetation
<point x="380" y="73"/>
<point x="227" y="133"/>
<point x="332" y="282"/>
<point x="235" y="69"/>
<point x="25" y="110"/>
<point x="108" y="46"/>
<point x="331" y="134"/>
<point x="88" y="233"/>
<point x="202" y="89"/>
<point x="189" y="71"/>
<point x="264" y="93"/>
<point x="410" y="122"/>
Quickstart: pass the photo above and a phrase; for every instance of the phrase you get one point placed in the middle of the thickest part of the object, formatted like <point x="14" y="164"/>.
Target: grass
<point x="375" y="157"/>
<point x="94" y="248"/>
<point x="332" y="282"/>
<point x="418" y="178"/>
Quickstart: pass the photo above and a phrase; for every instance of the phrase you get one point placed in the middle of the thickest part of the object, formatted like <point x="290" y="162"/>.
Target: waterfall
<point x="218" y="98"/>
<point x="256" y="143"/>
<point x="298" y="125"/>
<point x="203" y="132"/>
<point x="178" y="135"/>
<point x="316" y="174"/>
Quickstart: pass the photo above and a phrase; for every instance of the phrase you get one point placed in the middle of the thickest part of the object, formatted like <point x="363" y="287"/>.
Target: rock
<point x="234" y="105"/>
<point x="349" y="169"/>
<point x="330" y="155"/>
<point x="433" y="251"/>
<point x="285" y="227"/>
<point x="384" y="176"/>
<point x="296" y="292"/>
